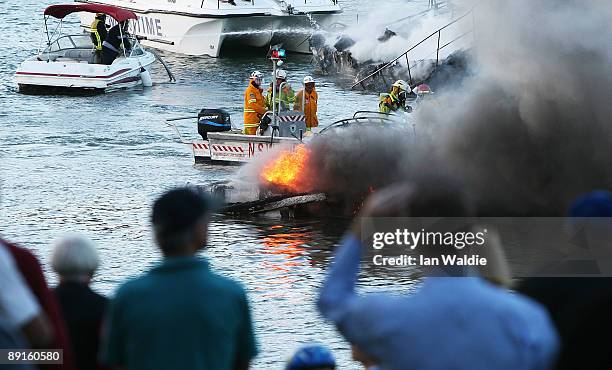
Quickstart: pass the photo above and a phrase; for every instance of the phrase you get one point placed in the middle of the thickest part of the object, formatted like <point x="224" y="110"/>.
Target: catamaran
<point x="201" y="27"/>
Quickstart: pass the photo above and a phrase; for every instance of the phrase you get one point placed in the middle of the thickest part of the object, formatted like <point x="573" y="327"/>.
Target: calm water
<point x="95" y="164"/>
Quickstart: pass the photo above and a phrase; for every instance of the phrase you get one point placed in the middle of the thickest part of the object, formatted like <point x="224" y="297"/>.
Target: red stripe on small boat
<point x="65" y="75"/>
<point x="125" y="80"/>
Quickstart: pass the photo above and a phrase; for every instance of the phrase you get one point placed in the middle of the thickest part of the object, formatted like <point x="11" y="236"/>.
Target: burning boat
<point x="286" y="184"/>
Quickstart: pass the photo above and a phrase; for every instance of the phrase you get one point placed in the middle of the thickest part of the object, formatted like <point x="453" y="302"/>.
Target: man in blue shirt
<point x="451" y="322"/>
<point x="179" y="315"/>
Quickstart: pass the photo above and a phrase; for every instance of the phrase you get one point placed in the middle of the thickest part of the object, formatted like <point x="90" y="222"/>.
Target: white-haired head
<point x="74" y="258"/>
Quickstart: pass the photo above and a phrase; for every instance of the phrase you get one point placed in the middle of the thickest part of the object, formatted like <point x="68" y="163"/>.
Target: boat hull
<point x="236" y="148"/>
<point x="38" y="76"/>
<point x="199" y="35"/>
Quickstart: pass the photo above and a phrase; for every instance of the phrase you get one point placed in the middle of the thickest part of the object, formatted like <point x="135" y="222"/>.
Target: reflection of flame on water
<point x="289" y="245"/>
<point x="288" y="170"/>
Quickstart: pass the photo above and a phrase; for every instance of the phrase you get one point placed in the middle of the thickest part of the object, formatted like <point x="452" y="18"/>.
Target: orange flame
<point x="288" y="169"/>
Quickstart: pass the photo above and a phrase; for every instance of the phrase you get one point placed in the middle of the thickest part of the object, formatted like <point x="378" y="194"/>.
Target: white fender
<point x="145" y="76"/>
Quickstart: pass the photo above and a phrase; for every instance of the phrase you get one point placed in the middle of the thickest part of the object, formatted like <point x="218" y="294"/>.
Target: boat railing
<point x="434" y="36"/>
<point x="358" y="120"/>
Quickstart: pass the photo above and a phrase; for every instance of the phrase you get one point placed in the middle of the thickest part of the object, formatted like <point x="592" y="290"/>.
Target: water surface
<point x="95" y="164"/>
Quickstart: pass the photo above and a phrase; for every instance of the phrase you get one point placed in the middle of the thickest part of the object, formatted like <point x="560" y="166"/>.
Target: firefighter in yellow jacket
<point x="396" y="99"/>
<point x="254" y="105"/>
<point x="98" y="34"/>
<point x="306" y="101"/>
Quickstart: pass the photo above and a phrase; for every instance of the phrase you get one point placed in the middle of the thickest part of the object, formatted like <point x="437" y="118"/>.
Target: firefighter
<point x="286" y="96"/>
<point x="396" y="99"/>
<point x="254" y="105"/>
<point x="423" y="90"/>
<point x="117" y="40"/>
<point x="306" y="101"/>
<point x="98" y="34"/>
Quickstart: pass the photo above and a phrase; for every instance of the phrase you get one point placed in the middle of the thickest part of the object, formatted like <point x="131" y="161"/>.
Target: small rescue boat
<point x="221" y="144"/>
<point x="67" y="62"/>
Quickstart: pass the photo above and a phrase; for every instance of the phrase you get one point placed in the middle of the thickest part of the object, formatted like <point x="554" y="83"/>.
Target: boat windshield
<point x="84" y="42"/>
<point x="69" y="42"/>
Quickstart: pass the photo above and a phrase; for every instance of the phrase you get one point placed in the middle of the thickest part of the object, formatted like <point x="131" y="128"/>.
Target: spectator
<point x="32" y="272"/>
<point x="312" y="357"/>
<point x="75" y="261"/>
<point x="180" y="315"/>
<point x="19" y="309"/>
<point x="451" y="322"/>
<point x="579" y="306"/>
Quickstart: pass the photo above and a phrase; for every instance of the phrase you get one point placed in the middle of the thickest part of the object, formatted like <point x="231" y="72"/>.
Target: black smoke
<point x="526" y="133"/>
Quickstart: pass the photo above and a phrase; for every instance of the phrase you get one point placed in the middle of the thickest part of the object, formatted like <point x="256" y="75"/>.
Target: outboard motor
<point x="213" y="120"/>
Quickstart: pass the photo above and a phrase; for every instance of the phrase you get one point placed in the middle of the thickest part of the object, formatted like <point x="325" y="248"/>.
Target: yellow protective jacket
<point x="286" y="97"/>
<point x="390" y="103"/>
<point x="309" y="101"/>
<point x="98" y="33"/>
<point x="254" y="106"/>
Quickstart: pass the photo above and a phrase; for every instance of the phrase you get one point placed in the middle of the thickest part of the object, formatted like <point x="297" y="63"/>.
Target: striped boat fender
<point x="291" y="118"/>
<point x="227" y="148"/>
<point x="200" y="146"/>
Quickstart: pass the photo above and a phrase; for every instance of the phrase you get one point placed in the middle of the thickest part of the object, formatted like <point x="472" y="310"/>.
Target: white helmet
<point x="403" y="85"/>
<point x="281" y="73"/>
<point x="308" y="79"/>
<point x="257" y="77"/>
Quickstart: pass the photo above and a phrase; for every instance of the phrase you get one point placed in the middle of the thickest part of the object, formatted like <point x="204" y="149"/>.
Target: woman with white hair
<point x="75" y="260"/>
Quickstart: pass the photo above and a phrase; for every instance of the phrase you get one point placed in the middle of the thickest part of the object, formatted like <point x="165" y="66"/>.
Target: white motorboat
<point x="201" y="27"/>
<point x="67" y="62"/>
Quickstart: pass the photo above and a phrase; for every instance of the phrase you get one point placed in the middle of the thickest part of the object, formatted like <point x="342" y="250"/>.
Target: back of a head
<point x="593" y="204"/>
<point x="74" y="258"/>
<point x="176" y="216"/>
<point x="312" y="357"/>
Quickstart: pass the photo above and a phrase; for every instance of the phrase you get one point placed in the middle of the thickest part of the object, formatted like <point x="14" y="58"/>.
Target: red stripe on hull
<point x="71" y="76"/>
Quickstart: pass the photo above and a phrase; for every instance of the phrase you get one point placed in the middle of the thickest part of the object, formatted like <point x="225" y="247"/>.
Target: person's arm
<point x="297" y="105"/>
<point x="267" y="101"/>
<point x="339" y="287"/>
<point x="261" y="109"/>
<point x="360" y="319"/>
<point x="102" y="31"/>
<point x="385" y="105"/>
<point x="290" y="94"/>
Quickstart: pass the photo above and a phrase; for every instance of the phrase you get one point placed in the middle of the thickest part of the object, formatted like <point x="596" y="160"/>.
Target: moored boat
<point x="201" y="27"/>
<point x="68" y="62"/>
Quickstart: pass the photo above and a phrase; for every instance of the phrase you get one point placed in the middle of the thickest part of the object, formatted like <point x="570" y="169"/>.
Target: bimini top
<point x="60" y="11"/>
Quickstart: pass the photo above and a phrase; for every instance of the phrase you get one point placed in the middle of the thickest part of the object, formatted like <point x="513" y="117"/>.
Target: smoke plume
<point x="526" y="133"/>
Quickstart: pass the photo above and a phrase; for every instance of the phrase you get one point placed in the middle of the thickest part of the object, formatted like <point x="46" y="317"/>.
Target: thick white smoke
<point x="412" y="22"/>
<point x="528" y="132"/>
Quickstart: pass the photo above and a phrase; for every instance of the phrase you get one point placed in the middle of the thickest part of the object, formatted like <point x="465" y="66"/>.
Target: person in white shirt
<point x="19" y="309"/>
